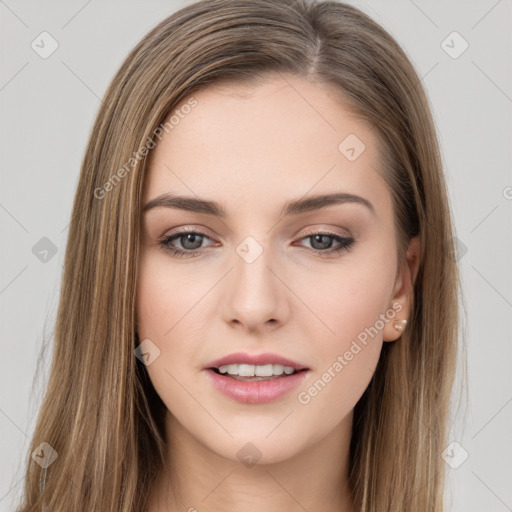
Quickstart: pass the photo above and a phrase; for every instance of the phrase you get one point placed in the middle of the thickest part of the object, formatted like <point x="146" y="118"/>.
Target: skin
<point x="252" y="148"/>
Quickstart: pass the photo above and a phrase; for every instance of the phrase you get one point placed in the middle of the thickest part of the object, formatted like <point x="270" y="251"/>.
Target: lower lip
<point x="255" y="392"/>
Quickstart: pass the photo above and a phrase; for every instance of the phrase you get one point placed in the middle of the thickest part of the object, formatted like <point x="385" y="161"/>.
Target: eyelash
<point x="165" y="243"/>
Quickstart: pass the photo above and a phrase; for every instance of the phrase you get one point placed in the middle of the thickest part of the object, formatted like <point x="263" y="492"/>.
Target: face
<point x="315" y="284"/>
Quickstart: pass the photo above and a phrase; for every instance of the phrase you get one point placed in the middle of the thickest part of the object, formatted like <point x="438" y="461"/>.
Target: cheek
<point x="161" y="312"/>
<point x="170" y="308"/>
<point x="165" y="299"/>
<point x="346" y="355"/>
<point x="351" y="300"/>
<point x="348" y="297"/>
<point x="161" y="315"/>
<point x="155" y="302"/>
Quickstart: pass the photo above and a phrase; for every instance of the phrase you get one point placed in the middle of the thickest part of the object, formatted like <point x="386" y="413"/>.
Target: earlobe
<point x="399" y="325"/>
<point x="404" y="292"/>
<point x="394" y="329"/>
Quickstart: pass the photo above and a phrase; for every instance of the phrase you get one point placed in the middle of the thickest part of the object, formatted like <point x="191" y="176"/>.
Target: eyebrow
<point x="293" y="207"/>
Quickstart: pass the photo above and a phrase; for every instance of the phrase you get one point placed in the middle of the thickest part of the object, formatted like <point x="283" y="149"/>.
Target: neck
<point x="198" y="479"/>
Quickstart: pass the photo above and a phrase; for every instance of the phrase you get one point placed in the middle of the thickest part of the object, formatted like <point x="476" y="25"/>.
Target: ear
<point x="403" y="292"/>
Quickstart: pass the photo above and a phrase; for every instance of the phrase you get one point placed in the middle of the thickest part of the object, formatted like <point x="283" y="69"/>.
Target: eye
<point x="192" y="242"/>
<point x="322" y="242"/>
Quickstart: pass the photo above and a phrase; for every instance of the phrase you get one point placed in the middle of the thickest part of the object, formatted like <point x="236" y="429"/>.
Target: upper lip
<point x="255" y="359"/>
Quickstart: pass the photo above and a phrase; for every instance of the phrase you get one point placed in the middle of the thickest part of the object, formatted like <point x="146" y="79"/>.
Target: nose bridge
<point x="255" y="294"/>
<point x="252" y="262"/>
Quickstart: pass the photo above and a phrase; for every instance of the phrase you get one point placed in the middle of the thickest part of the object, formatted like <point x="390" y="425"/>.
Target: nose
<point x="255" y="298"/>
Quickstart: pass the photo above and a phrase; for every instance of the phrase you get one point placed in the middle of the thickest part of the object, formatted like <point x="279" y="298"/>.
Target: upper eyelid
<point x="344" y="242"/>
<point x="176" y="235"/>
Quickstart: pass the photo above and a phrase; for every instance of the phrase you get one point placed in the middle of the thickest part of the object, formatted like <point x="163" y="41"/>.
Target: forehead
<point x="250" y="144"/>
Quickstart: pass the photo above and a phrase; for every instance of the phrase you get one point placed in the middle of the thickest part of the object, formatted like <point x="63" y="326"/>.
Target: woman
<point x="259" y="305"/>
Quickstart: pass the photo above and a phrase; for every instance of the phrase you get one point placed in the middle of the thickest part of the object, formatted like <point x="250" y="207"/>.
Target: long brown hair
<point x="100" y="412"/>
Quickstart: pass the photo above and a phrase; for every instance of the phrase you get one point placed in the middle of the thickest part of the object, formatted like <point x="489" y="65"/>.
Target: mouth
<point x="255" y="390"/>
<point x="259" y="365"/>
<point x="255" y="379"/>
<point x="252" y="373"/>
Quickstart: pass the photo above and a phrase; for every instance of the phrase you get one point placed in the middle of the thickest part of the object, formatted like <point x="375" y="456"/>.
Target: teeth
<point x="249" y="370"/>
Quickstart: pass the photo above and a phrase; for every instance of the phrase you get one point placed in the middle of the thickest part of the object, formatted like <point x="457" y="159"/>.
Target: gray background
<point x="48" y="106"/>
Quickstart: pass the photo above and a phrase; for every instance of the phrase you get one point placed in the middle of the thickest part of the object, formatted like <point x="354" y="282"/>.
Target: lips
<point x="255" y="390"/>
<point x="256" y="360"/>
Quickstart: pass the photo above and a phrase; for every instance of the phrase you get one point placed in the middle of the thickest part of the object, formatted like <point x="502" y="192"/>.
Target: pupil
<point x="324" y="239"/>
<point x="191" y="238"/>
